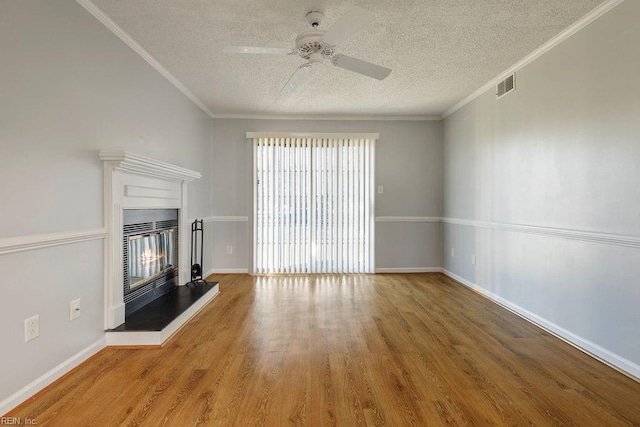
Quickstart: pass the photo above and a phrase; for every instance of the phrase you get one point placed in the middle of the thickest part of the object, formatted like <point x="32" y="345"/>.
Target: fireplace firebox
<point x="150" y="261"/>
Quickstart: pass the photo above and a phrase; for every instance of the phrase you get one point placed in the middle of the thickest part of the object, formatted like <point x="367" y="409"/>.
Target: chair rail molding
<point x="226" y="219"/>
<point x="10" y="245"/>
<point x="407" y="219"/>
<point x="567" y="233"/>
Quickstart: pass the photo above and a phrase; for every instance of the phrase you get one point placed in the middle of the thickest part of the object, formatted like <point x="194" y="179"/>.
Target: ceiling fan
<point x="316" y="46"/>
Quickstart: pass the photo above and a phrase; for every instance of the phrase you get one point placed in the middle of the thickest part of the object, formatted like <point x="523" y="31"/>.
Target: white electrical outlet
<point x="380" y="189"/>
<point x="74" y="309"/>
<point x="229" y="250"/>
<point x="453" y="253"/>
<point x="473" y="259"/>
<point x="32" y="328"/>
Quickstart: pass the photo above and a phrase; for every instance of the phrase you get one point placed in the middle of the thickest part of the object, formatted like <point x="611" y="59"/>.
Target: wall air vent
<point x="506" y="86"/>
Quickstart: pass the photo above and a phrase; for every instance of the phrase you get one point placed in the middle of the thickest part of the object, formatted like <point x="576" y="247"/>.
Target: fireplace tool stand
<point x="197" y="245"/>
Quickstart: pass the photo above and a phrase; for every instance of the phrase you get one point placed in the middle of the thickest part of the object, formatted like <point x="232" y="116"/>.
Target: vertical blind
<point x="313" y="205"/>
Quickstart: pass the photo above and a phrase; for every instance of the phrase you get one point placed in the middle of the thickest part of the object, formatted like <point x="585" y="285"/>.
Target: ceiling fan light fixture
<point x="317" y="46"/>
<point x="310" y="42"/>
<point x="314" y="18"/>
<point x="316" y="58"/>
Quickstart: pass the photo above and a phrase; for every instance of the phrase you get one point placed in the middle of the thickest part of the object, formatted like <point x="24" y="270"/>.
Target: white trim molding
<point x="562" y="36"/>
<point x="226" y="219"/>
<point x="327" y="117"/>
<point x="208" y="273"/>
<point x="134" y="163"/>
<point x="49" y="377"/>
<point x="617" y="362"/>
<point x="229" y="271"/>
<point x="316" y="135"/>
<point x="410" y="270"/>
<point x="407" y="219"/>
<point x="10" y="245"/>
<point x="566" y="233"/>
<point x="129" y="41"/>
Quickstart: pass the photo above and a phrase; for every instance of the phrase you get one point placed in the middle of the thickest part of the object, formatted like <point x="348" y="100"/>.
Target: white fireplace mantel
<point x="132" y="181"/>
<point x="134" y="163"/>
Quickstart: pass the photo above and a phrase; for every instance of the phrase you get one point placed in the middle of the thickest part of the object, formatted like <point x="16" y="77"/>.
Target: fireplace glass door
<point x="150" y="255"/>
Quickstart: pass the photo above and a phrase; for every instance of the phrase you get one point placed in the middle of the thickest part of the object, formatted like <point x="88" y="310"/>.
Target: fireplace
<point x="145" y="199"/>
<point x="145" y="214"/>
<point x="150" y="255"/>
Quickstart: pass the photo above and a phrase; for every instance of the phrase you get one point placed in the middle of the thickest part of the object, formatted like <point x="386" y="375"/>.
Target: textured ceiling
<point x="440" y="50"/>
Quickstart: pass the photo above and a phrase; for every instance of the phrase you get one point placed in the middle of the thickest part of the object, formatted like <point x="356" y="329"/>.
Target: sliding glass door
<point x="313" y="205"/>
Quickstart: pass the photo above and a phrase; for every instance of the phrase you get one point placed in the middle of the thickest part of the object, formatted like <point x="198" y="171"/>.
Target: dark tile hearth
<point x="156" y="315"/>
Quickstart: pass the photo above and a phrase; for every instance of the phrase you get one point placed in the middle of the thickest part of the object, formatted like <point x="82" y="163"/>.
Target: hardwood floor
<point x="414" y="349"/>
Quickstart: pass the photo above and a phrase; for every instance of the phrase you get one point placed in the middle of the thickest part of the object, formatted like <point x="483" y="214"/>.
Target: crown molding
<point x="328" y="117"/>
<point x="126" y="38"/>
<point x="565" y="34"/>
<point x="562" y="36"/>
<point x="317" y="135"/>
<point x="123" y="160"/>
<point x="129" y="41"/>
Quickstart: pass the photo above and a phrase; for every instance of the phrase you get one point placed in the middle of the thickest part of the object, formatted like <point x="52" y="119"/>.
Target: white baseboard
<point x="378" y="270"/>
<point x="157" y="338"/>
<point x="410" y="270"/>
<point x="617" y="362"/>
<point x="225" y="271"/>
<point x="49" y="377"/>
<point x="228" y="271"/>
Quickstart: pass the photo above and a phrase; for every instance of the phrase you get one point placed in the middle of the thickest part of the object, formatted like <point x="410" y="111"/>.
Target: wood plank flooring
<point x="414" y="349"/>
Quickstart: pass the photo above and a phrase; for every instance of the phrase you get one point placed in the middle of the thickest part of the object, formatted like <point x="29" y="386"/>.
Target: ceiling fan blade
<point x="347" y="26"/>
<point x="359" y="66"/>
<point x="298" y="77"/>
<point x="264" y="50"/>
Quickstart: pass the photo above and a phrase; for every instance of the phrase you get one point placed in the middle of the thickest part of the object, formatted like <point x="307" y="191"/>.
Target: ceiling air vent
<point x="506" y="86"/>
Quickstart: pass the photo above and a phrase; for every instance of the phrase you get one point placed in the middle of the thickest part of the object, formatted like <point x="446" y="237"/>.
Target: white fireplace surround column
<point x="136" y="182"/>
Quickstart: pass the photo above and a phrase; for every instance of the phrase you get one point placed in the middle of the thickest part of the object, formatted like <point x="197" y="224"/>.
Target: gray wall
<point x="69" y="88"/>
<point x="408" y="165"/>
<point x="561" y="153"/>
